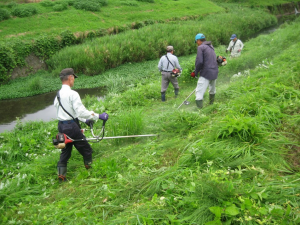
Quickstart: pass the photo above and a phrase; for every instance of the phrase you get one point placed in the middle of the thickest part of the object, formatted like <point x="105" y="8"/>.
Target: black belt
<point x="67" y="121"/>
<point x="167" y="71"/>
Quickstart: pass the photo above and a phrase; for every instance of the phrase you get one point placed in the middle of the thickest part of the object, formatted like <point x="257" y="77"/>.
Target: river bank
<point x="232" y="162"/>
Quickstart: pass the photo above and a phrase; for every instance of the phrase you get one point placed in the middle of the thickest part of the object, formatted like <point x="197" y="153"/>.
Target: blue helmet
<point x="199" y="36"/>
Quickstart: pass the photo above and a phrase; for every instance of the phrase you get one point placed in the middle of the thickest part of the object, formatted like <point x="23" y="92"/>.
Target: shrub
<point x="24" y="11"/>
<point x="46" y="46"/>
<point x="137" y="25"/>
<point x="102" y="2"/>
<point x="4" y="14"/>
<point x="91" y="35"/>
<point x="245" y="129"/>
<point x="47" y="3"/>
<point x="7" y="61"/>
<point x="151" y="1"/>
<point x="60" y="7"/>
<point x="88" y="5"/>
<point x="67" y="38"/>
<point x="11" y="5"/>
<point x="69" y="2"/>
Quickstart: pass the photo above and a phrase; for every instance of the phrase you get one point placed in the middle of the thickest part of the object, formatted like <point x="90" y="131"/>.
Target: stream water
<point x="39" y="107"/>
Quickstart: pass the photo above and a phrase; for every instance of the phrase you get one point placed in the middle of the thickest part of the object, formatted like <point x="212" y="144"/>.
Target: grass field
<point x="234" y="162"/>
<point x="115" y="13"/>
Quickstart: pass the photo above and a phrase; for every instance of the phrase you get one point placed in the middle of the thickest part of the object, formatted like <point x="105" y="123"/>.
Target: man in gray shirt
<point x="166" y="64"/>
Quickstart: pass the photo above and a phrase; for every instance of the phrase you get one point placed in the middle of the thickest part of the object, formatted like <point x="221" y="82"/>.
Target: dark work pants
<point x="73" y="131"/>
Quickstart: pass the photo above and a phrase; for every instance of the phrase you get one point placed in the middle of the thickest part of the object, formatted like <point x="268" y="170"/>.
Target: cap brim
<point x="75" y="75"/>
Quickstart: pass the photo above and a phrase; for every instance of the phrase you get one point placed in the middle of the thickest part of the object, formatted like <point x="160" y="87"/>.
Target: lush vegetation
<point x="51" y="30"/>
<point x="48" y="21"/>
<point x="97" y="55"/>
<point x="235" y="162"/>
<point x="149" y="43"/>
<point x="256" y="3"/>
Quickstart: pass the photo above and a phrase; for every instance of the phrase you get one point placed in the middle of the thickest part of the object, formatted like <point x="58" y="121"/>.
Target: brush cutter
<point x="185" y="101"/>
<point x="62" y="139"/>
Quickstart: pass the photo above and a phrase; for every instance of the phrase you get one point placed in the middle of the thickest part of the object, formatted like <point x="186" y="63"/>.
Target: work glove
<point x="89" y="122"/>
<point x="193" y="74"/>
<point x="103" y="116"/>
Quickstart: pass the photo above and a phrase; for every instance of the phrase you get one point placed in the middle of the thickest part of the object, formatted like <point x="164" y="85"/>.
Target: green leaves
<point x="240" y="127"/>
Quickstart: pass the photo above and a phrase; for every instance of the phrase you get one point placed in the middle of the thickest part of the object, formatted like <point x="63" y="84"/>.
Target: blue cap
<point x="199" y="36"/>
<point x="233" y="36"/>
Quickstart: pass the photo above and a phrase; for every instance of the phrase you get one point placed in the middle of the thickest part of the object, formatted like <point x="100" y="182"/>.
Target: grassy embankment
<point x="45" y="30"/>
<point x="256" y="2"/>
<point x="235" y="162"/>
<point x="148" y="43"/>
<point x="116" y="13"/>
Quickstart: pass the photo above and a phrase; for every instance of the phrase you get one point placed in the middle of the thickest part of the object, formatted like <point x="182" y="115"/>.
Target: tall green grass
<point x="189" y="174"/>
<point x="150" y="42"/>
<point x="50" y="21"/>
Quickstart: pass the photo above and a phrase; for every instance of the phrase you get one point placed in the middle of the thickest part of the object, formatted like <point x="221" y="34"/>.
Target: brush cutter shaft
<point x="186" y="99"/>
<point x="115" y="137"/>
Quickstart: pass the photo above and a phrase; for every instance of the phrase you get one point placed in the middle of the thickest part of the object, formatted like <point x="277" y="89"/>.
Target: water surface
<point x="39" y="107"/>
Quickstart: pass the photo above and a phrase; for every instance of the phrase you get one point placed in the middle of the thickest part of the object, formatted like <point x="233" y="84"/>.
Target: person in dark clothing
<point x="207" y="65"/>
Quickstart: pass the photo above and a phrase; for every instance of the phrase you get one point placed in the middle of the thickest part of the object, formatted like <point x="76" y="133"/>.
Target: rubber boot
<point x="62" y="172"/>
<point x="199" y="104"/>
<point x="163" y="96"/>
<point x="211" y="99"/>
<point x="176" y="90"/>
<point x="88" y="163"/>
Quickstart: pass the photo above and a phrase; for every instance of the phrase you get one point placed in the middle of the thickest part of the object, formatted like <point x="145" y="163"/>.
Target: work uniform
<point x="71" y="102"/>
<point x="207" y="65"/>
<point x="235" y="47"/>
<point x="165" y="67"/>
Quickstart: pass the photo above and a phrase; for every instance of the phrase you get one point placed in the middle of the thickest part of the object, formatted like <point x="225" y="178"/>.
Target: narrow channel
<point x="39" y="107"/>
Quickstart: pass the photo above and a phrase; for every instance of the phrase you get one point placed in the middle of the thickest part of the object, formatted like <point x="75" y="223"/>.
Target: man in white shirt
<point x="235" y="46"/>
<point x="70" y="110"/>
<point x="166" y="64"/>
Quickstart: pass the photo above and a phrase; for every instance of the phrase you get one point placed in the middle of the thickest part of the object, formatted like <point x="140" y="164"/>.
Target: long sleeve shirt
<point x="71" y="101"/>
<point x="165" y="65"/>
<point x="206" y="61"/>
<point x="235" y="48"/>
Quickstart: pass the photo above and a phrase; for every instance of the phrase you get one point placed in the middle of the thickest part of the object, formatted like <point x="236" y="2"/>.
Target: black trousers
<point x="73" y="131"/>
